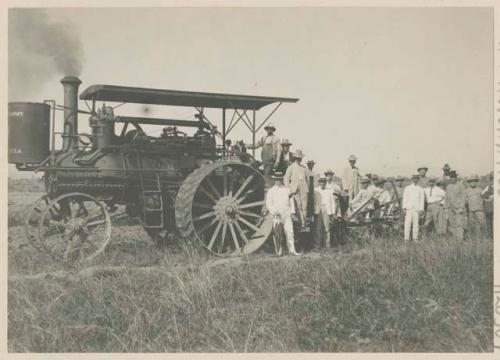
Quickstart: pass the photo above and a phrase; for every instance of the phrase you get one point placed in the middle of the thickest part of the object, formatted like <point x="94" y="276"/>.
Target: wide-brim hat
<point x="473" y="179"/>
<point x="352" y="158"/>
<point x="310" y="162"/>
<point x="285" y="142"/>
<point x="322" y="179"/>
<point x="422" y="167"/>
<point x="446" y="167"/>
<point x="298" y="154"/>
<point x="270" y="126"/>
<point x="364" y="180"/>
<point x="329" y="172"/>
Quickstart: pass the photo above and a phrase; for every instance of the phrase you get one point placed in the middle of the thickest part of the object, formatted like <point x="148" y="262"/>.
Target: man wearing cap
<point x="350" y="183"/>
<point x="413" y="206"/>
<point x="487" y="195"/>
<point x="454" y="204"/>
<point x="474" y="200"/>
<point x="323" y="213"/>
<point x="271" y="149"/>
<point x="297" y="181"/>
<point x="434" y="196"/>
<point x="281" y="207"/>
<point x="285" y="158"/>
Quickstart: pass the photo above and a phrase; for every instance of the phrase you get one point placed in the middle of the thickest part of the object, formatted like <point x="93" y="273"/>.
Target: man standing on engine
<point x="271" y="149"/>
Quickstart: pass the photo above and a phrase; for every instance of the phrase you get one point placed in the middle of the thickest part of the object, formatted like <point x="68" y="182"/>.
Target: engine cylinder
<point x="29" y="132"/>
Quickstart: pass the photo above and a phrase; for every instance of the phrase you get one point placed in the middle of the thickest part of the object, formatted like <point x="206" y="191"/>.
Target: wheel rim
<point x="74" y="228"/>
<point x="33" y="222"/>
<point x="225" y="212"/>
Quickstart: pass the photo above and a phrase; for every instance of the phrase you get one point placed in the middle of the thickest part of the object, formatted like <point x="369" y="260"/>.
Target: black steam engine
<point x="176" y="183"/>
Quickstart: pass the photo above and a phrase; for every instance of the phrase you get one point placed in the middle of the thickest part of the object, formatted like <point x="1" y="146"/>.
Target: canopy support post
<point x="253" y="133"/>
<point x="224" y="130"/>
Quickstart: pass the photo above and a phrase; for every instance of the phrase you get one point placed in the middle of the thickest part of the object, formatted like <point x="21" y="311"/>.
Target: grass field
<point x="378" y="295"/>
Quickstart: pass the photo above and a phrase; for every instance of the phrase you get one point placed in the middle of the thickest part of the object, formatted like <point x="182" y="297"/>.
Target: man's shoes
<point x="295" y="254"/>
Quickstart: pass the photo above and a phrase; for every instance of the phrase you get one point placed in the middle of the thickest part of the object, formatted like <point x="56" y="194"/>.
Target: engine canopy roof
<point x="137" y="95"/>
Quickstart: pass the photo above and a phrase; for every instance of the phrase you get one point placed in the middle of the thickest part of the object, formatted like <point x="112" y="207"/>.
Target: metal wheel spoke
<point x="250" y="205"/>
<point x="249" y="224"/>
<point x="203" y="206"/>
<point x="210" y="196"/>
<point x="233" y="234"/>
<point x="205" y="227"/>
<point x="214" y="235"/>
<point x="212" y="186"/>
<point x="245" y="195"/>
<point x="204" y="216"/>
<point x="240" y="231"/>
<point x="224" y="181"/>
<point x="244" y="185"/>
<point x="223" y="238"/>
<point x="251" y="214"/>
<point x="95" y="223"/>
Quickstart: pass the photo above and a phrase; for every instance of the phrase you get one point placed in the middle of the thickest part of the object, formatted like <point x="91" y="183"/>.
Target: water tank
<point x="29" y="132"/>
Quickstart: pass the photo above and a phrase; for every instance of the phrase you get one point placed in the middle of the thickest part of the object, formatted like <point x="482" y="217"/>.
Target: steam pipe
<point x="70" y="132"/>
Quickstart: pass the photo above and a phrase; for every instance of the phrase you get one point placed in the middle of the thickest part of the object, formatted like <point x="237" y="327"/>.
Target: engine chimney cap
<point x="71" y="80"/>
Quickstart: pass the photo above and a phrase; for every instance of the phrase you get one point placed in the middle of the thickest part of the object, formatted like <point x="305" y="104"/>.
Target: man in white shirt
<point x="350" y="182"/>
<point x="323" y="211"/>
<point x="280" y="205"/>
<point x="434" y="196"/>
<point x="413" y="206"/>
<point x="335" y="189"/>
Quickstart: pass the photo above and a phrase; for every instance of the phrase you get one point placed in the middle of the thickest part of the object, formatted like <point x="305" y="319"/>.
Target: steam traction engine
<point x="177" y="184"/>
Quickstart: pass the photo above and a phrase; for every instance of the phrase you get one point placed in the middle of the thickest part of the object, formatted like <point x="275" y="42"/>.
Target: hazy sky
<point x="399" y="88"/>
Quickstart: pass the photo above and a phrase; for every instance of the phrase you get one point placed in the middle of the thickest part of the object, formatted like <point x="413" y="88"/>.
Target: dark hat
<point x="440" y="182"/>
<point x="364" y="180"/>
<point x="369" y="176"/>
<point x="473" y="179"/>
<point x="380" y="181"/>
<point x="432" y="180"/>
<point x="446" y="167"/>
<point x="329" y="172"/>
<point x="322" y="179"/>
<point x="423" y="167"/>
<point x="278" y="175"/>
<point x="311" y="162"/>
<point x="352" y="158"/>
<point x="415" y="177"/>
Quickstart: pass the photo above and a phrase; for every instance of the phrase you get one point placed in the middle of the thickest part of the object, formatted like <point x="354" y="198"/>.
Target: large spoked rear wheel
<point x="74" y="228"/>
<point x="221" y="205"/>
<point x="32" y="222"/>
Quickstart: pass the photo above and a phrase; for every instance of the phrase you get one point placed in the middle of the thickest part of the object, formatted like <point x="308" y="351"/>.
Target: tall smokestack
<point x="71" y="84"/>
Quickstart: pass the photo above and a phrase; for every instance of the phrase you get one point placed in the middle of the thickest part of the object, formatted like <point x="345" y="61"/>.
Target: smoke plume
<point x="40" y="50"/>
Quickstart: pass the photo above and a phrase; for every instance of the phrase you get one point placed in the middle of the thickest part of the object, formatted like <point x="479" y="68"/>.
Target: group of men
<point x="311" y="202"/>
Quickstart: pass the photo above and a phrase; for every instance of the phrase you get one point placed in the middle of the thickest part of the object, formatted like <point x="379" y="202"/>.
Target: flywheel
<point x="221" y="205"/>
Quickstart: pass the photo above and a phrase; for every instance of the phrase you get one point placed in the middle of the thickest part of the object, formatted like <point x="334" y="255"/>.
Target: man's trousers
<point x="411" y="224"/>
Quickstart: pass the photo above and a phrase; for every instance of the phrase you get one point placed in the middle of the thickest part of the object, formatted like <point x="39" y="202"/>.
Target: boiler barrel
<point x="29" y="132"/>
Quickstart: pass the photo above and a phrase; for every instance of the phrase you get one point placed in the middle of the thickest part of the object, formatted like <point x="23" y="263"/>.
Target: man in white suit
<point x="413" y="205"/>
